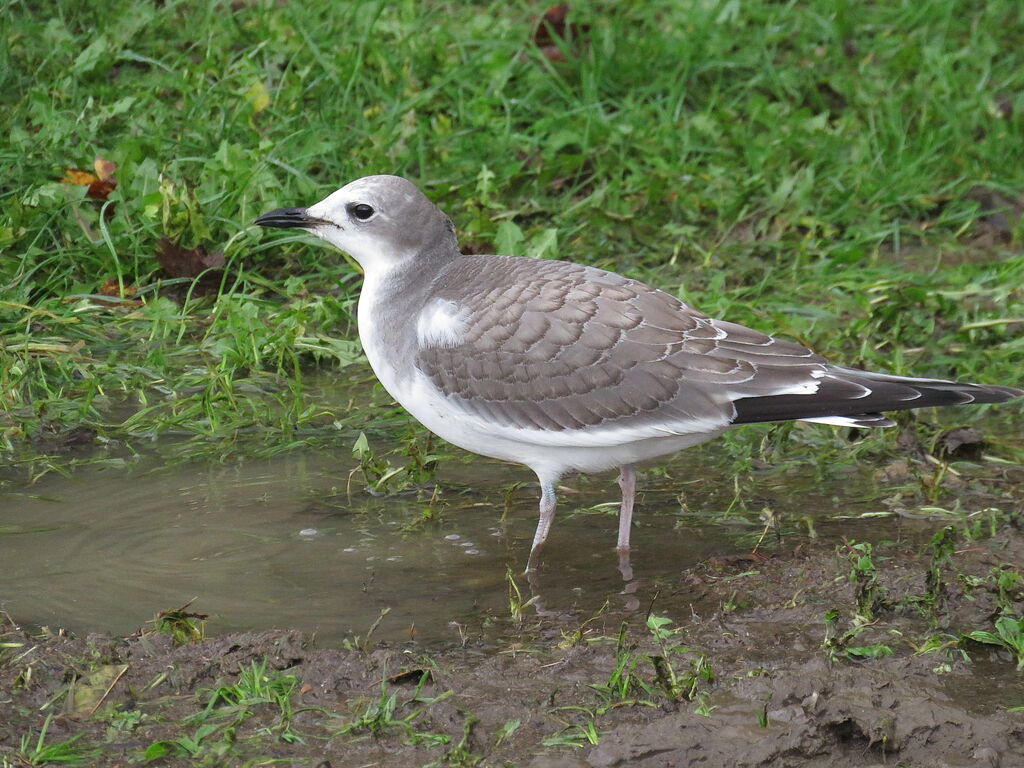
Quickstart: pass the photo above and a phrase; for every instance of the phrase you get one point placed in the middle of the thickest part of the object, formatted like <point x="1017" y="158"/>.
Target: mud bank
<point x="819" y="656"/>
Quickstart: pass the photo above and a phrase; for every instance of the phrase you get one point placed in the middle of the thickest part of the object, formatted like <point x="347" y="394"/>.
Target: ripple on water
<point x="270" y="543"/>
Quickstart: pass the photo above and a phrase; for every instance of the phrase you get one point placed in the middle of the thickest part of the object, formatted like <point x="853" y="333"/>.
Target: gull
<point x="564" y="367"/>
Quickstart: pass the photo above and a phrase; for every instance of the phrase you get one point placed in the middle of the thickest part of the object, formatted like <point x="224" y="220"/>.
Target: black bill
<point x="286" y="218"/>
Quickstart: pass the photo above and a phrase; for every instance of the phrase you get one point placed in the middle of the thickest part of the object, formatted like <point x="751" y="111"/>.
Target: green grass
<point x="380" y="716"/>
<point x="1009" y="635"/>
<point x="227" y="708"/>
<point x="797" y="167"/>
<point x="35" y="751"/>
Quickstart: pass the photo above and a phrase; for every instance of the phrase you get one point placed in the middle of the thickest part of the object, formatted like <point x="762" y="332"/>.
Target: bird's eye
<point x="361" y="211"/>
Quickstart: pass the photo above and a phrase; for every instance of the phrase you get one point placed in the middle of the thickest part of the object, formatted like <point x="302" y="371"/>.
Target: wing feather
<point x="554" y="345"/>
<point x="557" y="346"/>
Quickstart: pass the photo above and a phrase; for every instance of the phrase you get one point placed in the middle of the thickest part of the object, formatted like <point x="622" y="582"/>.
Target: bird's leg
<point x="625" y="569"/>
<point x="627" y="482"/>
<point x="547" y="515"/>
<point x="630" y="585"/>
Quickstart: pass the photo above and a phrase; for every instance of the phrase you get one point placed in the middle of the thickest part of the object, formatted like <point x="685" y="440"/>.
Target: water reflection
<point x="278" y="543"/>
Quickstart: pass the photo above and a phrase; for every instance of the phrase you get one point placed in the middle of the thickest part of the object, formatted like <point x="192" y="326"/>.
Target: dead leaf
<point x="111" y="287"/>
<point x="53" y="437"/>
<point x="187" y="262"/>
<point x="101" y="189"/>
<point x="724" y="561"/>
<point x="999" y="214"/>
<point x="554" y="30"/>
<point x="87" y="693"/>
<point x="100" y="184"/>
<point x="77" y="177"/>
<point x="960" y="443"/>
<point x="195" y="262"/>
<point x="104" y="168"/>
<point x="896" y="471"/>
<point x="412" y="676"/>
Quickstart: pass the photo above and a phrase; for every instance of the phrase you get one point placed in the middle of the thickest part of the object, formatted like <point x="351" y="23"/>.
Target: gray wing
<point x="557" y="346"/>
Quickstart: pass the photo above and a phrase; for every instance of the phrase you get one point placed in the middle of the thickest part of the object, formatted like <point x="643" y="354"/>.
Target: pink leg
<point x="627" y="482"/>
<point x="547" y="515"/>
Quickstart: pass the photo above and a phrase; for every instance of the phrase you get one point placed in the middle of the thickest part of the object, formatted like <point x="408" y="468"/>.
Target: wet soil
<point x="755" y="676"/>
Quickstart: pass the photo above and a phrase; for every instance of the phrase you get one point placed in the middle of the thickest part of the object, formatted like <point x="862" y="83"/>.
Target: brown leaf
<point x="960" y="443"/>
<point x="77" y="177"/>
<point x="111" y="287"/>
<point x="101" y="189"/>
<point x="896" y="471"/>
<point x="554" y="29"/>
<point x="999" y="213"/>
<point x="53" y="437"/>
<point x="552" y="53"/>
<point x="186" y="262"/>
<point x="552" y="25"/>
<point x="100" y="184"/>
<point x="104" y="168"/>
<point x="409" y="676"/>
<point x="191" y="262"/>
<point x="724" y="561"/>
<point x="104" y="184"/>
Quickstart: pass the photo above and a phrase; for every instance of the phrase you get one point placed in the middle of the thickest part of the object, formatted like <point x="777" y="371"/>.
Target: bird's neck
<point x="389" y="304"/>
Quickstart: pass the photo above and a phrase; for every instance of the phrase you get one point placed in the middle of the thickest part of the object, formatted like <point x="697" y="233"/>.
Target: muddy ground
<point x="757" y="676"/>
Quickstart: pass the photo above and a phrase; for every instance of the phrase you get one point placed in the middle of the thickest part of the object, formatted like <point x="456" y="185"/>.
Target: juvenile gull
<point x="564" y="367"/>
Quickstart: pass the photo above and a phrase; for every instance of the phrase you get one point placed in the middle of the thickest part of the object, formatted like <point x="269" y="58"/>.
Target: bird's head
<point x="378" y="220"/>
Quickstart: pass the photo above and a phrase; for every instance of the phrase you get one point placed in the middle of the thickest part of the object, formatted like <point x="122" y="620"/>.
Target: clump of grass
<point x="688" y="685"/>
<point x="256" y="686"/>
<point x="363" y="643"/>
<point x="381" y="476"/>
<point x="1008" y="634"/>
<point x="517" y="604"/>
<point x="819" y="173"/>
<point x="575" y="735"/>
<point x="1009" y="588"/>
<point x="182" y="625"/>
<point x="34" y="750"/>
<point x="624" y="686"/>
<point x="868" y="593"/>
<point x="941" y="547"/>
<point x="380" y="716"/>
<point x="839" y="644"/>
<point x="227" y="707"/>
<point x="677" y="673"/>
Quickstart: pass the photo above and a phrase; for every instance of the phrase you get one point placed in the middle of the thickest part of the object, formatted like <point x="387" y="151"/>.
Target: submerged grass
<point x="848" y="176"/>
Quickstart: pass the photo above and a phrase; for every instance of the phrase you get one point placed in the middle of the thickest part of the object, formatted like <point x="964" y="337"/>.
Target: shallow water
<point x="278" y="542"/>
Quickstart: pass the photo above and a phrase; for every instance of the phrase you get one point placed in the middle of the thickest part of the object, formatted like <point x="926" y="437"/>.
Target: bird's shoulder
<point x="514" y="301"/>
<point x="536" y="307"/>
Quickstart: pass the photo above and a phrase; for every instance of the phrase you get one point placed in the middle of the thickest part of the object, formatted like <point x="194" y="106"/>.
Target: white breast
<point x="381" y="359"/>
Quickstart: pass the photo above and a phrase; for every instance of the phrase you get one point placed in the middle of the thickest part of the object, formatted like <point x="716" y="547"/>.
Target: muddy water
<point x="279" y="543"/>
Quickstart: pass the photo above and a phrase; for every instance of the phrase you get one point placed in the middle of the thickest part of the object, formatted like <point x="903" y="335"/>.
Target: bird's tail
<point x="849" y="397"/>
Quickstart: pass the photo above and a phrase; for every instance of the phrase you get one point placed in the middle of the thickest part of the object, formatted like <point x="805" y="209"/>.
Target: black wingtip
<point x="1001" y="394"/>
<point x="849" y="394"/>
